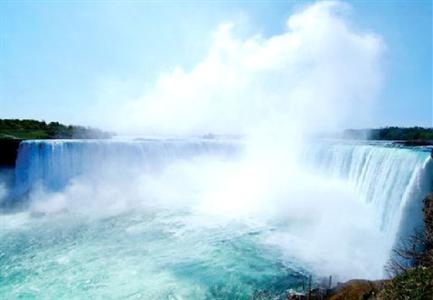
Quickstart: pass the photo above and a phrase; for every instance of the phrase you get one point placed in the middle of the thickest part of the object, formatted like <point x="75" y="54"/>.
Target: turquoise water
<point x="199" y="219"/>
<point x="159" y="255"/>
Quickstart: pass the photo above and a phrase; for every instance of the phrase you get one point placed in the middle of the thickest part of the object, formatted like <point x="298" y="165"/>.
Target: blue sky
<point x="55" y="56"/>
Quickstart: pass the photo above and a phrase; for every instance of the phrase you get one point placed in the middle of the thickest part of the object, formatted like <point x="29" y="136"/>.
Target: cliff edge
<point x="8" y="152"/>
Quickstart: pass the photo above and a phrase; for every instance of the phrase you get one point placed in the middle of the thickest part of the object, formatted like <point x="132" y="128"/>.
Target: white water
<point x="389" y="179"/>
<point x="337" y="212"/>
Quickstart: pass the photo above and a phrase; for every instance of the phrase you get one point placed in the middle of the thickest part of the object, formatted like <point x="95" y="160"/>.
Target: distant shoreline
<point x="28" y="129"/>
<point x="409" y="136"/>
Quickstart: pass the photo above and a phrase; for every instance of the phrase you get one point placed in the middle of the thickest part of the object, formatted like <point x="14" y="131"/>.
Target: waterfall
<point x="383" y="175"/>
<point x="54" y="163"/>
<point x="392" y="180"/>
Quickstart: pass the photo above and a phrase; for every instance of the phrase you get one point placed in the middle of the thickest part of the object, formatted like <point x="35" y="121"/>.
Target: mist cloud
<point x="321" y="73"/>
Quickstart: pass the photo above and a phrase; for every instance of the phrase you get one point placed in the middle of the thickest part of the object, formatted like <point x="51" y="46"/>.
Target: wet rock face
<point x="428" y="214"/>
<point x="8" y="152"/>
<point x="427" y="259"/>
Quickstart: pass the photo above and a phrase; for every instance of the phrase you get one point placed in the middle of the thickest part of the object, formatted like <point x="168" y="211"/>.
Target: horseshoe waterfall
<point x="200" y="218"/>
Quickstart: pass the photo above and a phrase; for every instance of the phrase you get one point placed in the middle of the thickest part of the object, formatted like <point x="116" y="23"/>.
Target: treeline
<point x="32" y="129"/>
<point x="392" y="134"/>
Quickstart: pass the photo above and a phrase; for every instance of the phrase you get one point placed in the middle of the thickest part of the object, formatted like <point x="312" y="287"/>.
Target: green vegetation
<point x="414" y="284"/>
<point x="417" y="282"/>
<point x="32" y="129"/>
<point x="392" y="134"/>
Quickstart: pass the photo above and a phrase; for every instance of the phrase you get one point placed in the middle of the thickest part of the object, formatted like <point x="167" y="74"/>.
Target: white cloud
<point x="320" y="73"/>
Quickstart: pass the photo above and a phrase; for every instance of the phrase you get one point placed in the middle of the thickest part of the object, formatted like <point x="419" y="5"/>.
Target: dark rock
<point x="427" y="255"/>
<point x="9" y="152"/>
<point x="413" y="143"/>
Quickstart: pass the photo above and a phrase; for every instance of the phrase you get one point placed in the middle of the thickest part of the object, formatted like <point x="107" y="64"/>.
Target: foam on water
<point x="192" y="218"/>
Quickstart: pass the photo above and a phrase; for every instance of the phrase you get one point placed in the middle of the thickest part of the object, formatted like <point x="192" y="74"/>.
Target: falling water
<point x="126" y="218"/>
